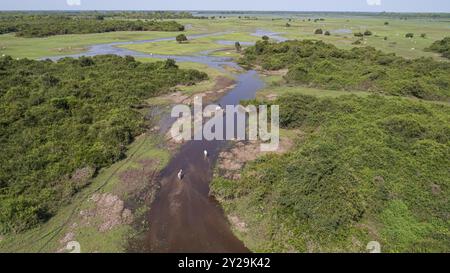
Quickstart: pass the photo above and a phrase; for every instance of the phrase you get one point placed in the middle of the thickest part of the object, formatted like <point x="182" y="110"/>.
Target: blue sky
<point x="294" y="5"/>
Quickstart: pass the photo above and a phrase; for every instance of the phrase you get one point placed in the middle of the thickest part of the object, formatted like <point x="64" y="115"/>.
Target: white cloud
<point x="374" y="2"/>
<point x="74" y="2"/>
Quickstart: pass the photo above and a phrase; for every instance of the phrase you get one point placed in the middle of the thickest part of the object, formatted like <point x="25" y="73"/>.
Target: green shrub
<point x="58" y="117"/>
<point x="361" y="68"/>
<point x="365" y="169"/>
<point x="442" y="47"/>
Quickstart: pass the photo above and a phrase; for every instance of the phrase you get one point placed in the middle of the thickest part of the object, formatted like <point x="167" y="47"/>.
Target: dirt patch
<point x="232" y="161"/>
<point x="280" y="72"/>
<point x="222" y="85"/>
<point x="69" y="49"/>
<point x="108" y="211"/>
<point x="436" y="189"/>
<point x="70" y="236"/>
<point x="134" y="181"/>
<point x="175" y="97"/>
<point x="237" y="223"/>
<point x="271" y="96"/>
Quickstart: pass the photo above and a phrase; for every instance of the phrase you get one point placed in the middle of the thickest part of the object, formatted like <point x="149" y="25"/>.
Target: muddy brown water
<point x="184" y="217"/>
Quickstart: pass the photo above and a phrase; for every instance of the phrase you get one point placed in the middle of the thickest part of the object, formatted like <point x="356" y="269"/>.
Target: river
<point x="183" y="217"/>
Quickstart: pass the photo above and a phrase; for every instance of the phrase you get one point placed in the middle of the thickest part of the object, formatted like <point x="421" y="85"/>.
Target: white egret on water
<point x="205" y="152"/>
<point x="180" y="174"/>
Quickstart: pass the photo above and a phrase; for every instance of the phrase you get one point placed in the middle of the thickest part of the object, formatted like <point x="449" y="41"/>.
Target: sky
<point x="276" y="5"/>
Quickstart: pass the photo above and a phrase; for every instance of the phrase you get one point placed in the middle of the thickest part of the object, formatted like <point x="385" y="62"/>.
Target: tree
<point x="423" y="35"/>
<point x="288" y="25"/>
<point x="327" y="33"/>
<point x="318" y="31"/>
<point x="358" y="34"/>
<point x="409" y="35"/>
<point x="368" y="33"/>
<point x="265" y="38"/>
<point x="386" y="23"/>
<point x="238" y="47"/>
<point x="181" y="38"/>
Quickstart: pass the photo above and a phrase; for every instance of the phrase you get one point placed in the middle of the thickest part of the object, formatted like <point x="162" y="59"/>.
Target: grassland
<point x="242" y="29"/>
<point x="395" y="31"/>
<point x="68" y="44"/>
<point x="193" y="46"/>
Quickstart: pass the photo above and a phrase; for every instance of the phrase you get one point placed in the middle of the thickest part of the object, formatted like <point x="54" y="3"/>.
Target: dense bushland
<point x="318" y="64"/>
<point x="47" y="25"/>
<point x="62" y="121"/>
<point x="442" y="47"/>
<point x="367" y="168"/>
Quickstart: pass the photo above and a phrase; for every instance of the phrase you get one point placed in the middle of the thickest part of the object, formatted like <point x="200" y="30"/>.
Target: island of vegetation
<point x="319" y="64"/>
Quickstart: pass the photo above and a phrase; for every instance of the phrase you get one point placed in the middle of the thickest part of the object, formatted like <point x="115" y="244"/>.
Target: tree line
<point x="48" y="25"/>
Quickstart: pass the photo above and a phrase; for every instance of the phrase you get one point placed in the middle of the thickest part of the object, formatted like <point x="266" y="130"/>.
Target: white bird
<point x="218" y="108"/>
<point x="180" y="174"/>
<point x="205" y="152"/>
<point x="3" y="55"/>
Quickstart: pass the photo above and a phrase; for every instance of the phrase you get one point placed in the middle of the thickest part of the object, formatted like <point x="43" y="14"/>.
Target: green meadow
<point x="241" y="30"/>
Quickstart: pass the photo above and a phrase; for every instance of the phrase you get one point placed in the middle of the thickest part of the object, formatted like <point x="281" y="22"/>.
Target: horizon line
<point x="200" y="10"/>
